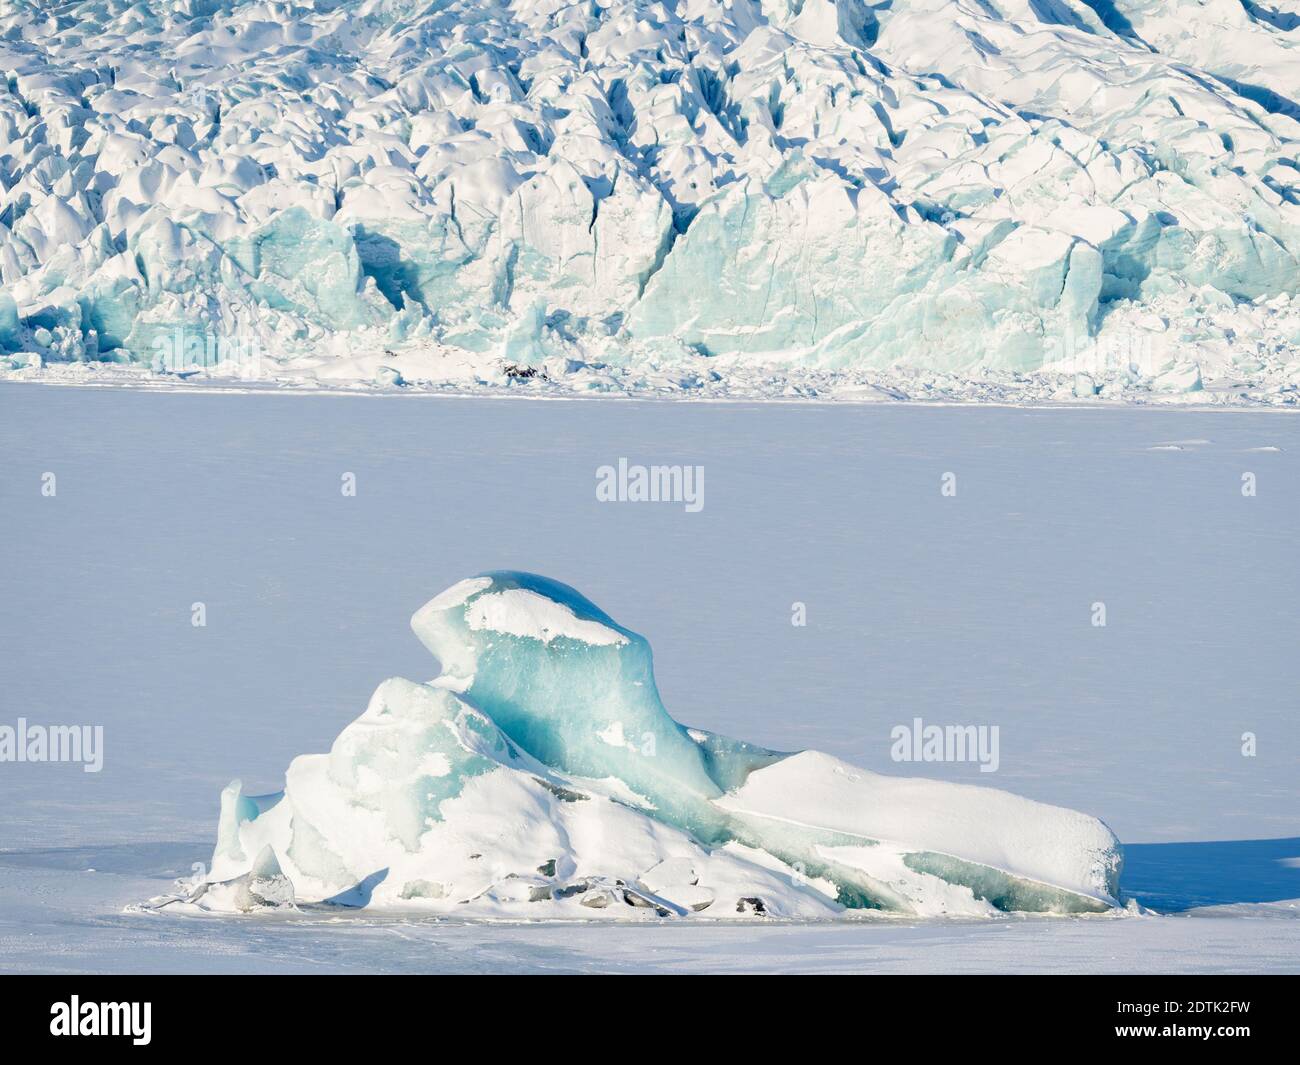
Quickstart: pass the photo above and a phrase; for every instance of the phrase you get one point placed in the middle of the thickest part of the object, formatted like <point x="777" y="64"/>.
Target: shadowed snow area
<point x="1174" y="877"/>
<point x="540" y="776"/>
<point x="786" y="197"/>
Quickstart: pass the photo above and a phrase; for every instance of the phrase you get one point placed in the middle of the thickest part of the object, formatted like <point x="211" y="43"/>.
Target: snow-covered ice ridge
<point x="540" y="776"/>
<point x="957" y="198"/>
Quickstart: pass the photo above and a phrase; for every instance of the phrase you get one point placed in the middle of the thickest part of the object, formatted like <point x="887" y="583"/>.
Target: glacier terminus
<point x="946" y="199"/>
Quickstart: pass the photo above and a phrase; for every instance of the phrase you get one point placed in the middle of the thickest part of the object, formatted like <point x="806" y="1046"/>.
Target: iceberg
<point x="539" y="775"/>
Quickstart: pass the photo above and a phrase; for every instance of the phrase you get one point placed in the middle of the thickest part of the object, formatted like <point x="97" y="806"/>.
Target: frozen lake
<point x="973" y="608"/>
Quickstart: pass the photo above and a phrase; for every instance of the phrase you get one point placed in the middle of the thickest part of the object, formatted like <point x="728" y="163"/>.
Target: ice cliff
<point x="620" y="193"/>
<point x="540" y="776"/>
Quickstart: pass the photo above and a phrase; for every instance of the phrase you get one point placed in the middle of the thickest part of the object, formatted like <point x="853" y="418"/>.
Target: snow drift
<point x="343" y="189"/>
<point x="540" y="775"/>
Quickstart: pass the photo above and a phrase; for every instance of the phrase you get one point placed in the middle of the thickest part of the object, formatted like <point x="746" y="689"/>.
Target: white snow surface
<point x="892" y="816"/>
<point x="57" y="916"/>
<point x="764" y="198"/>
<point x="520" y="612"/>
<point x="965" y="610"/>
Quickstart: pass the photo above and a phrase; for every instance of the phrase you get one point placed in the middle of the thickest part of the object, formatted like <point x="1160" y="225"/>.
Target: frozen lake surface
<point x="968" y="609"/>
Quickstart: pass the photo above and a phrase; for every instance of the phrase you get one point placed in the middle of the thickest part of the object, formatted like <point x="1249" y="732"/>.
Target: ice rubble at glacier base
<point x="539" y="776"/>
<point x="937" y="198"/>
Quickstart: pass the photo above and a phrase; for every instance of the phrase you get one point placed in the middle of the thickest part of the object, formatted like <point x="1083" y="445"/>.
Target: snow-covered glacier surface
<point x="540" y="776"/>
<point x="951" y="198"/>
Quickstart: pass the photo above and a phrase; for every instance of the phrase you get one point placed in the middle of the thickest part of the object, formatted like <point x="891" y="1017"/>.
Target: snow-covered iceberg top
<point x="541" y="776"/>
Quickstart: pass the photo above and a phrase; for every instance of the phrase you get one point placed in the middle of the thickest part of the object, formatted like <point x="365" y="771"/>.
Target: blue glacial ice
<point x="647" y="194"/>
<point x="539" y="775"/>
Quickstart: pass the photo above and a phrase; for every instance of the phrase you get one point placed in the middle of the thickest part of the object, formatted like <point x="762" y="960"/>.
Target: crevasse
<point x="936" y="184"/>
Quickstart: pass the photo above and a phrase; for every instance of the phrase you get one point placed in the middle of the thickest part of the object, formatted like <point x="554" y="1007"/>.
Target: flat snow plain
<point x="973" y="609"/>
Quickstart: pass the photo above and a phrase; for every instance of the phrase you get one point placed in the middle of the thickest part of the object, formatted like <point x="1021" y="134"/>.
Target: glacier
<point x="540" y="776"/>
<point x="1054" y="200"/>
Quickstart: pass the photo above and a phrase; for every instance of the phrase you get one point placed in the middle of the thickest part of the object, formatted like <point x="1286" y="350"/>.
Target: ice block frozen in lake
<point x="540" y="774"/>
